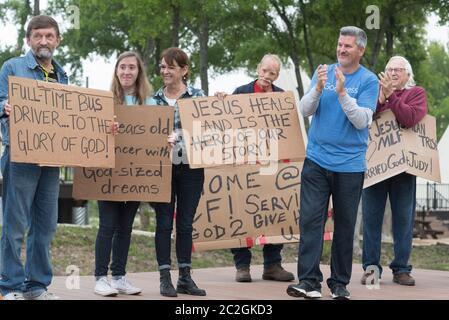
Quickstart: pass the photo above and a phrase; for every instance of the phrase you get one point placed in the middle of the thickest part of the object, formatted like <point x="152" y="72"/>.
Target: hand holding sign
<point x="220" y="95"/>
<point x="172" y="139"/>
<point x="114" y="127"/>
<point x="7" y="108"/>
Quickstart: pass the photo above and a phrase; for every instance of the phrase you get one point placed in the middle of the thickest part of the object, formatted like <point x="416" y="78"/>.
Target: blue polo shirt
<point x="334" y="143"/>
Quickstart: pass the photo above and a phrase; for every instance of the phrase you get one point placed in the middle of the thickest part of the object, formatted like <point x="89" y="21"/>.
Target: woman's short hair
<point x="182" y="59"/>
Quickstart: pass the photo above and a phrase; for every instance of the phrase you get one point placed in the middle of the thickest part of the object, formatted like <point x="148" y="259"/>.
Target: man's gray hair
<point x="408" y="67"/>
<point x="360" y="35"/>
<point x="275" y="57"/>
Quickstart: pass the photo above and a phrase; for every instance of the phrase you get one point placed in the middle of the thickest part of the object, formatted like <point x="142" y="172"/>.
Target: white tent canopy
<point x="287" y="81"/>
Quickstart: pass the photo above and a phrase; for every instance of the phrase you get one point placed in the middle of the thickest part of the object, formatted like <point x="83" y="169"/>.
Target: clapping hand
<point x="322" y="77"/>
<point x="386" y="86"/>
<point x="340" y="87"/>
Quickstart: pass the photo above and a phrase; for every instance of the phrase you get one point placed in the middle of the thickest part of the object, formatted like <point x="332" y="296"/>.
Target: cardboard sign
<point x="241" y="208"/>
<point x="60" y="125"/>
<point x="143" y="167"/>
<point x="393" y="150"/>
<point x="244" y="128"/>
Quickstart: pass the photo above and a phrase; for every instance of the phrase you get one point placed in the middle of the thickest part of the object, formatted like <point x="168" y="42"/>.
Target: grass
<point x="76" y="246"/>
<point x="79" y="246"/>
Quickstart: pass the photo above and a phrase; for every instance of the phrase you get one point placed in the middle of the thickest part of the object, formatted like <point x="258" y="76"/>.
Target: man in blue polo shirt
<point x="342" y="98"/>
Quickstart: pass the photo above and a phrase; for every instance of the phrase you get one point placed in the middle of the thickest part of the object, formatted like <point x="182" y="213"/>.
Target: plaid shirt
<point x="191" y="92"/>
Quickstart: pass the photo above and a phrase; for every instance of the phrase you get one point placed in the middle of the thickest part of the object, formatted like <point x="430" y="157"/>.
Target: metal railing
<point x="432" y="196"/>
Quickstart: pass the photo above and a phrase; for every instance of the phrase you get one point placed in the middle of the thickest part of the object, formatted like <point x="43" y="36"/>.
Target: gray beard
<point x="43" y="54"/>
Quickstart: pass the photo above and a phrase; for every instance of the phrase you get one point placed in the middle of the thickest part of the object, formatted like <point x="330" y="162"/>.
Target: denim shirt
<point x="25" y="67"/>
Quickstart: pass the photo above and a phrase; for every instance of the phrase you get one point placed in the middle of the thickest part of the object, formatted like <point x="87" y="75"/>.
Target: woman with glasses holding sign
<point x="187" y="183"/>
<point x="407" y="101"/>
<point x="130" y="86"/>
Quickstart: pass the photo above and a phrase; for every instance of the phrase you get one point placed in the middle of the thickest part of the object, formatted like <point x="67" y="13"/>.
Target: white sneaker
<point x="45" y="296"/>
<point x="123" y="286"/>
<point x="104" y="288"/>
<point x="13" y="296"/>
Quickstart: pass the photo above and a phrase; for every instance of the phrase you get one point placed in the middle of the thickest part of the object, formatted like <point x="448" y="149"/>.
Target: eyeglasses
<point x="396" y="70"/>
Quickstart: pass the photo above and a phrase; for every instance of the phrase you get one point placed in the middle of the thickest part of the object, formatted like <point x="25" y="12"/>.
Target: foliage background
<point x="223" y="35"/>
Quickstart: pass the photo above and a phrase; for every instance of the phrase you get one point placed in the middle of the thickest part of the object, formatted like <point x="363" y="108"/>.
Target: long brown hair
<point x="142" y="85"/>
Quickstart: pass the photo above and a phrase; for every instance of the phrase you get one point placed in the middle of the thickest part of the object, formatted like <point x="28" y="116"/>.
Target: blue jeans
<point x="187" y="185"/>
<point x="114" y="234"/>
<point x="30" y="204"/>
<point x="317" y="185"/>
<point x="271" y="255"/>
<point x="401" y="190"/>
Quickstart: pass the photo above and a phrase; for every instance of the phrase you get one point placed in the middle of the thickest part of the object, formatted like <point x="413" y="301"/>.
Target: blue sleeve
<point x="4" y="73"/>
<point x="369" y="93"/>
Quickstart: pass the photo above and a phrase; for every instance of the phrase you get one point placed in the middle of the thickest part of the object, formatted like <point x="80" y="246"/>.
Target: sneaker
<point x="339" y="292"/>
<point x="104" y="288"/>
<point x="277" y="273"/>
<point x="303" y="290"/>
<point x="13" y="296"/>
<point x="123" y="286"/>
<point x="404" y="279"/>
<point x="45" y="295"/>
<point x="242" y="274"/>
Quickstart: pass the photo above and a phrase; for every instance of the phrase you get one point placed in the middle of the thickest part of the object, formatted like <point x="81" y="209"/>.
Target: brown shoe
<point x="277" y="273"/>
<point x="243" y="274"/>
<point x="404" y="279"/>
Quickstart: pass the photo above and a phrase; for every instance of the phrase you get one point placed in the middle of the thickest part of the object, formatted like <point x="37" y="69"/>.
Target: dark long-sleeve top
<point x="408" y="105"/>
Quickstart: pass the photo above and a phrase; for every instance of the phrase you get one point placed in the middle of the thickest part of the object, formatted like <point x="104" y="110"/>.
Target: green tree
<point x="434" y="77"/>
<point x="16" y="12"/>
<point x="108" y="28"/>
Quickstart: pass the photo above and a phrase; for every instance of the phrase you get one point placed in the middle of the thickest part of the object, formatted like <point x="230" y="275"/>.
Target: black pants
<point x="114" y="233"/>
<point x="187" y="185"/>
